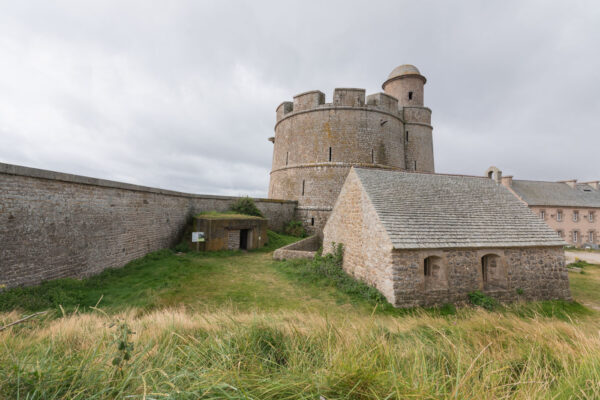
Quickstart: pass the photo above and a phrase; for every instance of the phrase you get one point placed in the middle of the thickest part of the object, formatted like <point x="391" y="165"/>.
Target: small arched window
<point x="434" y="273"/>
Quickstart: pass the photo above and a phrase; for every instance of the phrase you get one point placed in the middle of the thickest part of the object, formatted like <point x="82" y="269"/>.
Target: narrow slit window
<point x="287" y="157"/>
<point x="406" y="137"/>
<point x="312" y="221"/>
<point x="415" y="165"/>
<point x="372" y="157"/>
<point x="410" y="95"/>
<point x="303" y="183"/>
<point x="330" y="154"/>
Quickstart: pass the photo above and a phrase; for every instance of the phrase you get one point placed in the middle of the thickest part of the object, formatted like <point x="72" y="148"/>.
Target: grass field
<point x="233" y="325"/>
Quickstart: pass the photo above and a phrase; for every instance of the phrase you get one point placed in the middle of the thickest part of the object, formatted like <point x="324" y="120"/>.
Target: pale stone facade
<point x="426" y="239"/>
<point x="316" y="143"/>
<point x="572" y="209"/>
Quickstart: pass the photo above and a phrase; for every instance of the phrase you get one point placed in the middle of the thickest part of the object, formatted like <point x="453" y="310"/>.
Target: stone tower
<point x="316" y="143"/>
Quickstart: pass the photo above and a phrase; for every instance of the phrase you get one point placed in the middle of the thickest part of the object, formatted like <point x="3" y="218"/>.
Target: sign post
<point x="197" y="237"/>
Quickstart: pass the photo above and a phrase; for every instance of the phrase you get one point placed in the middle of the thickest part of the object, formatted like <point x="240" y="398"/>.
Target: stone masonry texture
<point x="317" y="143"/>
<point x="519" y="272"/>
<point x="55" y="225"/>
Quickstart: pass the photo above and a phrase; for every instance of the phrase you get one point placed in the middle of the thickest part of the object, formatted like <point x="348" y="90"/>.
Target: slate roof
<point x="537" y="193"/>
<point x="420" y="210"/>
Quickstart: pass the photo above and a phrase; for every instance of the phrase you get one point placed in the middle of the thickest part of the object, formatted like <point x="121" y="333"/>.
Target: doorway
<point x="244" y="239"/>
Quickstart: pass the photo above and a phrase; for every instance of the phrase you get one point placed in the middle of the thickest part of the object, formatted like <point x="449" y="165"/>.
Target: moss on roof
<point x="224" y="215"/>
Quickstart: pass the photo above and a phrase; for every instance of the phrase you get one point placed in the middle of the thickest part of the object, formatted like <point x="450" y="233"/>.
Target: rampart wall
<point x="55" y="225"/>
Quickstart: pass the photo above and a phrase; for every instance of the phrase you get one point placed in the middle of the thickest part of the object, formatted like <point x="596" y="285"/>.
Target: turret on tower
<point x="407" y="85"/>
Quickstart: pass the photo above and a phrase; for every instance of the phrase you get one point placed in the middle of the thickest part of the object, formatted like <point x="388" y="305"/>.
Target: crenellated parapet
<point x="314" y="100"/>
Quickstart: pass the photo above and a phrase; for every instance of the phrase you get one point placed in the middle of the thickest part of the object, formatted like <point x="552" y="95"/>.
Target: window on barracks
<point x="575" y="216"/>
<point x="591" y="216"/>
<point x="434" y="273"/>
<point x="559" y="215"/>
<point x="410" y="95"/>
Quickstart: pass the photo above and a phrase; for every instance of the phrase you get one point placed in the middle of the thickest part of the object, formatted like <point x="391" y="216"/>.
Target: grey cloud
<point x="182" y="95"/>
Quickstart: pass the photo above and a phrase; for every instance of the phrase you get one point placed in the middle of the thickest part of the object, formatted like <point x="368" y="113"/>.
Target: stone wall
<point x="367" y="249"/>
<point x="305" y="248"/>
<point x="55" y="225"/>
<point x="529" y="273"/>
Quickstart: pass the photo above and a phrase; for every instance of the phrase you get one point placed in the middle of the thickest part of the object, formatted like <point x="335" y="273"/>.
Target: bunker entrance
<point x="244" y="234"/>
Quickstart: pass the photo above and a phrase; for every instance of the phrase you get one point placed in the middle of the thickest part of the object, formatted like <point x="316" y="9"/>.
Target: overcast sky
<point x="182" y="95"/>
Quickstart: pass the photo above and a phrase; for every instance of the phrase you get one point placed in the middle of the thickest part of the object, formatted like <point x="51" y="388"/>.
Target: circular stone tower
<point x="316" y="143"/>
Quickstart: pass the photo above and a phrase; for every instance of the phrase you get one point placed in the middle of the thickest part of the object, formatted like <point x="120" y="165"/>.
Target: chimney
<point x="507" y="180"/>
<point x="571" y="183"/>
<point x="494" y="173"/>
<point x="594" y="184"/>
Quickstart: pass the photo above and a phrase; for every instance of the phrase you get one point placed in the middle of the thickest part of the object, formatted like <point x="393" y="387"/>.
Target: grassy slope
<point x="241" y="326"/>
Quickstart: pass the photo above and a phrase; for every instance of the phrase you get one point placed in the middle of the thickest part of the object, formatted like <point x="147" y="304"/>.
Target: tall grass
<point x="291" y="355"/>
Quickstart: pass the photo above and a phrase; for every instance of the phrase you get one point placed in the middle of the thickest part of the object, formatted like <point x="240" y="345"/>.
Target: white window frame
<point x="575" y="216"/>
<point x="591" y="236"/>
<point x="575" y="237"/>
<point x="559" y="216"/>
<point x="591" y="216"/>
<point x="543" y="214"/>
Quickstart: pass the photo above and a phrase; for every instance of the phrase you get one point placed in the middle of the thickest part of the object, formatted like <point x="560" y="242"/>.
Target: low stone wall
<point x="526" y="273"/>
<point x="55" y="225"/>
<point x="305" y="248"/>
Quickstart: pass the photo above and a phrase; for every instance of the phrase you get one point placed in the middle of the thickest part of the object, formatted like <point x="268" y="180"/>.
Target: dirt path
<point x="591" y="257"/>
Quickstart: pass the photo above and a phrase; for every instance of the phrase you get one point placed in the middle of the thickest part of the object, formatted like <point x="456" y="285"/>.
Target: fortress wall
<point x="355" y="135"/>
<point x="55" y="225"/>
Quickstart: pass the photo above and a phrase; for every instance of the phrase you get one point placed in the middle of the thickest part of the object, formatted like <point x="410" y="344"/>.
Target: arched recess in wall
<point x="493" y="272"/>
<point x="435" y="274"/>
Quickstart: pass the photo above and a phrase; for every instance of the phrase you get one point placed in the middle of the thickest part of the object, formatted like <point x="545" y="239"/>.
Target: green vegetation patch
<point x="225" y="215"/>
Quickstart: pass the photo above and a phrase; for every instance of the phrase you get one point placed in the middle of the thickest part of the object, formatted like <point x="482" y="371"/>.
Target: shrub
<point x="246" y="205"/>
<point x="481" y="299"/>
<point x="183" y="247"/>
<point x="578" y="264"/>
<point x="294" y="228"/>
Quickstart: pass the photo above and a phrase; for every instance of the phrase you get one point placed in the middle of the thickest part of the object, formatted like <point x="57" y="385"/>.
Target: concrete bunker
<point x="227" y="231"/>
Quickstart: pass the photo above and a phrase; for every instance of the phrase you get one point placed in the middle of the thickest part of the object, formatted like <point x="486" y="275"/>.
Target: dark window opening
<point x="415" y="165"/>
<point x="406" y="140"/>
<point x="372" y="157"/>
<point x="427" y="267"/>
<point x="244" y="239"/>
<point x="287" y="157"/>
<point x="312" y="222"/>
<point x="303" y="187"/>
<point x="330" y="154"/>
<point x="410" y="95"/>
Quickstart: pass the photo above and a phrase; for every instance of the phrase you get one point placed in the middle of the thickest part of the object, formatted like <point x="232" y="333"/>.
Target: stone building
<point x="224" y="231"/>
<point x="424" y="239"/>
<point x="572" y="209"/>
<point x="316" y="143"/>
